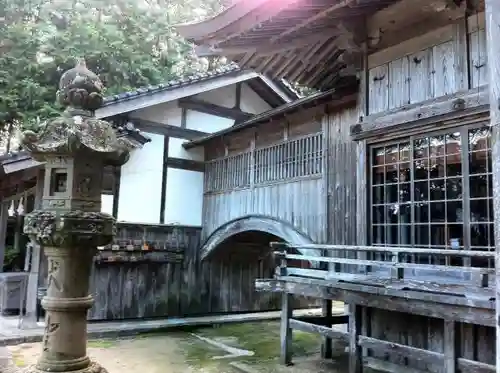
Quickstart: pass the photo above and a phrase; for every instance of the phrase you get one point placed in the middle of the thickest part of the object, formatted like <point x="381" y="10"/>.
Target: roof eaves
<point x="172" y="84"/>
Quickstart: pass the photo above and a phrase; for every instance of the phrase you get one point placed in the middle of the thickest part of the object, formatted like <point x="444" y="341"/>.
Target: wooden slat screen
<point x="299" y="157"/>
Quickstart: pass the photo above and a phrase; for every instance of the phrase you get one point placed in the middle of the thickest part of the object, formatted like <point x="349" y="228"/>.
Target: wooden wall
<point x="275" y="171"/>
<point x="433" y="65"/>
<point x="126" y="286"/>
<point x="476" y="342"/>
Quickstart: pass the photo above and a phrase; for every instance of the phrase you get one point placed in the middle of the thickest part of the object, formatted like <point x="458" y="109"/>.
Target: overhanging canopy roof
<point x="314" y="42"/>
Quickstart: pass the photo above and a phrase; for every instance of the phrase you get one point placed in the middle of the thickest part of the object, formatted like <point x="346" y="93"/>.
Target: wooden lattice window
<point x="433" y="191"/>
<point x="290" y="159"/>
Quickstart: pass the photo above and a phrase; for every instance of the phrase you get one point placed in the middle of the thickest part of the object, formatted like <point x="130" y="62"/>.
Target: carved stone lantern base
<point x="92" y="368"/>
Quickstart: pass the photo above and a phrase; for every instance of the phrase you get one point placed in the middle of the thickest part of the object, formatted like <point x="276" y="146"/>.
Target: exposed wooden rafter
<point x="312" y="19"/>
<point x="268" y="48"/>
<point x="250" y="21"/>
<point x="213" y="109"/>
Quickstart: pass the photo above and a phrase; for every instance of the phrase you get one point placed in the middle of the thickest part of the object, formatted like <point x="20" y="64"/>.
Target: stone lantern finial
<point x="80" y="88"/>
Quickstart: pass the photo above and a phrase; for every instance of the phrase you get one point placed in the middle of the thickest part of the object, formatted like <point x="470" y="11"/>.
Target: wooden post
<point x="286" y="331"/>
<point x="326" y="345"/>
<point x="355" y="352"/>
<point x="450" y="351"/>
<point x="30" y="319"/>
<point x="492" y="12"/>
<point x="4" y="215"/>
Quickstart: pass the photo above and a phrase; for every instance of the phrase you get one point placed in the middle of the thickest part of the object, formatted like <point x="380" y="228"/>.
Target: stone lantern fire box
<point x="70" y="225"/>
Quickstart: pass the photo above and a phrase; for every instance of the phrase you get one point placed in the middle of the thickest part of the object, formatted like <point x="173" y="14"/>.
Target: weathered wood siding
<point x="430" y="66"/>
<point x="341" y="176"/>
<point x="281" y="180"/>
<point x="176" y="287"/>
<point x="427" y="333"/>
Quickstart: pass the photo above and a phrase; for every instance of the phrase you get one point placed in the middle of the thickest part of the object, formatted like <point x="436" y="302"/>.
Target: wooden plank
<point x="437" y="269"/>
<point x="470" y="366"/>
<point x="433" y="305"/>
<point x="386" y="366"/>
<point x="185" y="164"/>
<point x="430" y="112"/>
<point x="355" y="352"/>
<point x="286" y="329"/>
<point x="318" y="329"/>
<point x="395" y="249"/>
<point x="213" y="109"/>
<point x="167" y="129"/>
<point x="430" y="357"/>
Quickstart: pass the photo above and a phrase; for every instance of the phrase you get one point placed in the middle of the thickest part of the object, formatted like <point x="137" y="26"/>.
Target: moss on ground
<point x="18" y="359"/>
<point x="263" y="338"/>
<point x="101" y="343"/>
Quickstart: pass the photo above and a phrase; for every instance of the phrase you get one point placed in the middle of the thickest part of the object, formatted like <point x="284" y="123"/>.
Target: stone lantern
<point x="70" y="226"/>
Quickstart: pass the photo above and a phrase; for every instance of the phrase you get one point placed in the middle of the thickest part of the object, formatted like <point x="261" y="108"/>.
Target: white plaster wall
<point x="176" y="150"/>
<point x="140" y="183"/>
<point x="251" y="102"/>
<point x="206" y="122"/>
<point x="225" y="96"/>
<point x="168" y="113"/>
<point x="141" y="176"/>
<point x="107" y="203"/>
<point x="184" y="197"/>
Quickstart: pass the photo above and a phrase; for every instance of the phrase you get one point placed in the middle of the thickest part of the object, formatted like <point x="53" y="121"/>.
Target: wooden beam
<point x="213" y="109"/>
<point x="185" y="164"/>
<point x="248" y="22"/>
<point x="318" y="329"/>
<point x="237" y="100"/>
<point x="184" y="117"/>
<point x="396" y="349"/>
<point x="164" y="176"/>
<point x="267" y="49"/>
<point x="492" y="13"/>
<point x="480" y="312"/>
<point x="416" y="29"/>
<point x="471" y="102"/>
<point x="402" y="13"/>
<point x="167" y="129"/>
<point x="312" y="19"/>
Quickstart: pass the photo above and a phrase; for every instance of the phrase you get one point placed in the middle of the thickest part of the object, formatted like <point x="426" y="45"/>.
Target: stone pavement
<point x="10" y="334"/>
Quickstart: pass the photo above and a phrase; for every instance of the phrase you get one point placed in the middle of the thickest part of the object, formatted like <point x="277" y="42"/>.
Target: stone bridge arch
<point x="256" y="223"/>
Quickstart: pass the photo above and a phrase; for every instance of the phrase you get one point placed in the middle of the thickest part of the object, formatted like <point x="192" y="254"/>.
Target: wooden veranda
<point x="379" y="278"/>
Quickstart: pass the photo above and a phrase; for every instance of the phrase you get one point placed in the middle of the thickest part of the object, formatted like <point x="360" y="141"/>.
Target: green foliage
<point x="128" y="43"/>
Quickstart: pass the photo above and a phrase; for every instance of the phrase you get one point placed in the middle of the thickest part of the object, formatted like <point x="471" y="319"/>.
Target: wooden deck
<point x="456" y="295"/>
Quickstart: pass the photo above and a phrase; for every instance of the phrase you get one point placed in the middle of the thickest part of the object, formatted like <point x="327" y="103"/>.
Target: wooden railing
<point x="345" y="273"/>
<point x="350" y="263"/>
<point x="290" y="159"/>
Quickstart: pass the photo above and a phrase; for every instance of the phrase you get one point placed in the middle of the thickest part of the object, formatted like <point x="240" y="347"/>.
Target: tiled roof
<point x="173" y="84"/>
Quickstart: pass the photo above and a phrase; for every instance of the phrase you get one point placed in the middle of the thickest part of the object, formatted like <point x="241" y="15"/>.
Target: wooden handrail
<point x="388" y="249"/>
<point x="381" y="263"/>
